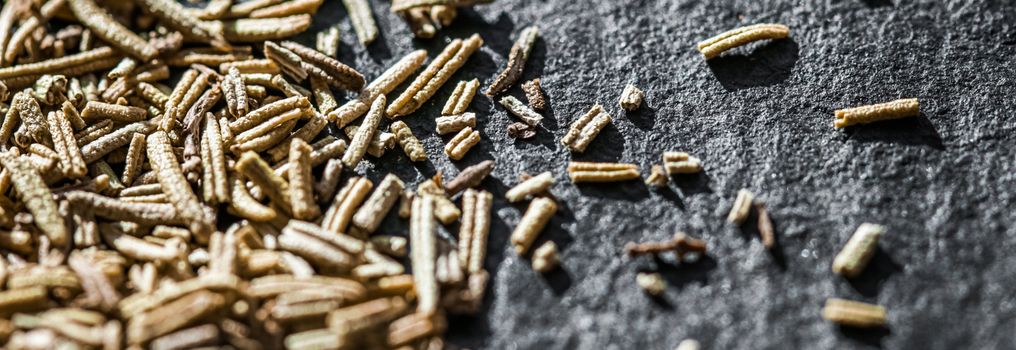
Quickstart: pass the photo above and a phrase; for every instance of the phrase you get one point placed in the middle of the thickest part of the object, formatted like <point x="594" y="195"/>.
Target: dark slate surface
<point x="761" y="119"/>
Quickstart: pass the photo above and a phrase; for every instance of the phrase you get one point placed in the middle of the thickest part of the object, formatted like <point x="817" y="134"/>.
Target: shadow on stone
<point x="907" y="131"/>
<point x="559" y="280"/>
<point x="878" y="3"/>
<point x="869" y="336"/>
<point x="679" y="274"/>
<point x="498" y="36"/>
<point x="692" y="183"/>
<point x="879" y="269"/>
<point x="608" y="146"/>
<point x="644" y="117"/>
<point x="767" y="65"/>
<point x="671" y="196"/>
<point x="776" y="251"/>
<point x="378" y="50"/>
<point x="630" y="191"/>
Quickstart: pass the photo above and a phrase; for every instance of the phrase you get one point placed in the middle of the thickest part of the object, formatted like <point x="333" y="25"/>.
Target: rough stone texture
<point x="759" y="118"/>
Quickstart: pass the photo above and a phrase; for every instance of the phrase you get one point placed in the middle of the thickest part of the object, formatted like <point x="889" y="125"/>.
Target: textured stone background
<point x="761" y="119"/>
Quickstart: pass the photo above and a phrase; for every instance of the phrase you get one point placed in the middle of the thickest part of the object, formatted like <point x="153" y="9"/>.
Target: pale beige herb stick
<point x="651" y="282"/>
<point x="533" y="221"/>
<point x="410" y="144"/>
<point x="730" y="39"/>
<point x="358" y="145"/>
<point x="858" y="251"/>
<point x="461" y="97"/>
<point x="434" y="76"/>
<point x="853" y="313"/>
<point x="475" y="229"/>
<point x="545" y="258"/>
<point x="423" y="254"/>
<point x="328" y="41"/>
<point x="658" y="177"/>
<point x="383" y="84"/>
<point x="741" y="208"/>
<point x="457" y="147"/>
<point x="585" y="128"/>
<point x="339" y="215"/>
<point x="681" y="163"/>
<point x="878" y="112"/>
<point x="532" y="186"/>
<point x="631" y="98"/>
<point x="362" y="19"/>
<point x="374" y="209"/>
<point x="580" y="172"/>
<point x="454" y="123"/>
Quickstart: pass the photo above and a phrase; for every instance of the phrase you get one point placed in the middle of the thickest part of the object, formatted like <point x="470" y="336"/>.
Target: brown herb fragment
<point x="680" y="244"/>
<point x="469" y="177"/>
<point x="765" y="226"/>
<point x="520" y="130"/>
<point x="534" y="94"/>
<point x="338" y="74"/>
<point x="516" y="62"/>
<point x="289" y="62"/>
<point x="329" y="181"/>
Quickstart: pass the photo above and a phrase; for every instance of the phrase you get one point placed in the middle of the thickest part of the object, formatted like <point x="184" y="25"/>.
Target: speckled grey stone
<point x="759" y="118"/>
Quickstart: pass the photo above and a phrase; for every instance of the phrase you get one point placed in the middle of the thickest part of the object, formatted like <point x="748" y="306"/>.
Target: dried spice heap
<point x="142" y="215"/>
<point x="213" y="212"/>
